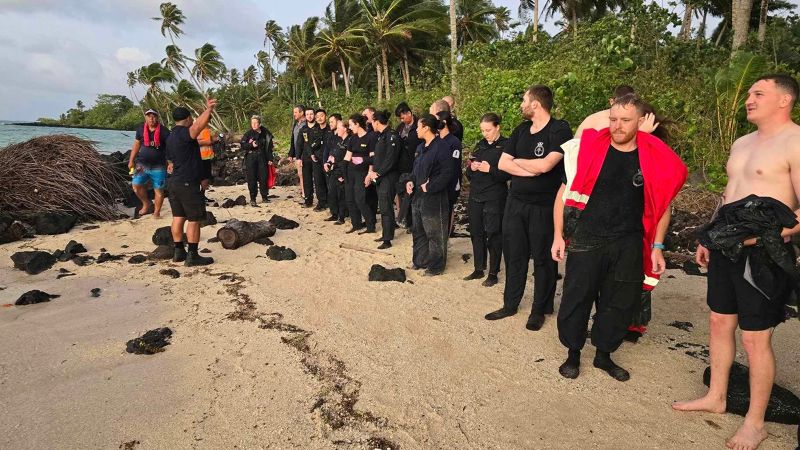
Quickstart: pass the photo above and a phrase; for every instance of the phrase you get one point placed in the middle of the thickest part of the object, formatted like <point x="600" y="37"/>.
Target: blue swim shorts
<point x="158" y="175"/>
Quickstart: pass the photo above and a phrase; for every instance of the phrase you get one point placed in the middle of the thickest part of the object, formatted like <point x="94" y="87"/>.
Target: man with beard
<point x="533" y="157"/>
<point x="615" y="217"/>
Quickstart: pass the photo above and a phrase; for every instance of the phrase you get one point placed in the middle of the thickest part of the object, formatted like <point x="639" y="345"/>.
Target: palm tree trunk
<point x="535" y="20"/>
<point x="686" y="25"/>
<point x="316" y="88"/>
<point x="701" y="33"/>
<point x="406" y="73"/>
<point x="453" y="49"/>
<point x="721" y="33"/>
<point x="346" y="77"/>
<point x="575" y="21"/>
<point x="385" y="60"/>
<point x="762" y="22"/>
<point x="333" y="81"/>
<point x="380" y="82"/>
<point x="740" y="23"/>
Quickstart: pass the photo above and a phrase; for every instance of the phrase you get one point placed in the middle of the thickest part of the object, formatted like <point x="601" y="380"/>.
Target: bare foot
<point x="707" y="404"/>
<point x="748" y="437"/>
<point x="156" y="215"/>
<point x="145" y="209"/>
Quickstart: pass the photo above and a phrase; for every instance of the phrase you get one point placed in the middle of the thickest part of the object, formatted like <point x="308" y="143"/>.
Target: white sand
<point x="417" y="362"/>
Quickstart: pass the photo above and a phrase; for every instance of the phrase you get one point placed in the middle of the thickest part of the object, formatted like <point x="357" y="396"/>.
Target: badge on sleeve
<point x="457" y="154"/>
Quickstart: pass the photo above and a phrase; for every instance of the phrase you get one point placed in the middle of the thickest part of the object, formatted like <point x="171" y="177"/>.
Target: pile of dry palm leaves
<point x="58" y="173"/>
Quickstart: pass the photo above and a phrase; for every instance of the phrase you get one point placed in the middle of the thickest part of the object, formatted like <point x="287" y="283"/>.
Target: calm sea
<point x="105" y="140"/>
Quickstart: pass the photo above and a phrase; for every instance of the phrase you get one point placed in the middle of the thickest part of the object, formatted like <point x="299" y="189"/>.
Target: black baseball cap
<point x="181" y="113"/>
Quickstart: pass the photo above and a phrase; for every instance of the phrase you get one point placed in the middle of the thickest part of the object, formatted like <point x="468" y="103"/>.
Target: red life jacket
<point x="156" y="136"/>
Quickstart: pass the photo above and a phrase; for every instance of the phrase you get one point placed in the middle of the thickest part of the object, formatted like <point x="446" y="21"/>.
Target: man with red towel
<point x="614" y="218"/>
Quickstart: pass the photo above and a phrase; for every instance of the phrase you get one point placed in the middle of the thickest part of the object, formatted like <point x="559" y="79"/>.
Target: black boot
<point x="179" y="255"/>
<point x="476" y="274"/>
<point x="501" y="313"/>
<point x="571" y="367"/>
<point x="490" y="280"/>
<point x="602" y="360"/>
<point x="194" y="259"/>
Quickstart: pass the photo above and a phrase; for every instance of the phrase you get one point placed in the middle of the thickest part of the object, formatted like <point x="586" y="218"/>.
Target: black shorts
<point x="730" y="293"/>
<point x="187" y="200"/>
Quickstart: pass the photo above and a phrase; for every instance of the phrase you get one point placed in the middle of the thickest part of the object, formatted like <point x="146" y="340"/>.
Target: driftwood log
<point x="237" y="233"/>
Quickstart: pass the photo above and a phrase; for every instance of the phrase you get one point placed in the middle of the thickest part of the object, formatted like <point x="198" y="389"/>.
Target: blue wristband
<point x="658" y="245"/>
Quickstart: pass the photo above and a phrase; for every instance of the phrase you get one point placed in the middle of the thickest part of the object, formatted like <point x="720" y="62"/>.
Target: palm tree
<point x="184" y="93"/>
<point x="302" y="50"/>
<point x="174" y="60"/>
<point x="740" y="22"/>
<point x="502" y="19"/>
<point x="272" y="34"/>
<point x="133" y="80"/>
<point x="233" y="76"/>
<point x="208" y="65"/>
<point x="390" y="24"/>
<point x="532" y="6"/>
<point x="686" y="23"/>
<point x="762" y="21"/>
<point x="249" y="75"/>
<point x="153" y="76"/>
<point x="342" y="38"/>
<point x="171" y="19"/>
<point x="475" y="21"/>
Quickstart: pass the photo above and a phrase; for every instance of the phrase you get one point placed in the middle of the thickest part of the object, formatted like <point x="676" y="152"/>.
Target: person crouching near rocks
<point x="258" y="146"/>
<point x="186" y="196"/>
<point x="487" y="199"/>
<point x="615" y="217"/>
<point x="429" y="185"/>
<point x="148" y="162"/>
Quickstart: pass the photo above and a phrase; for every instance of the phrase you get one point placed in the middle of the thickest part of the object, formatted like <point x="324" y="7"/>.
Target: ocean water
<point x="106" y="141"/>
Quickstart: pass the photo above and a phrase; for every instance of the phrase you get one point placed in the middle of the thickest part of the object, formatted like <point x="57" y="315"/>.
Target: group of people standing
<point x="599" y="200"/>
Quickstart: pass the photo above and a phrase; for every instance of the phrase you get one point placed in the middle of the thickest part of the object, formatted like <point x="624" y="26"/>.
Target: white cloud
<point x="132" y="56"/>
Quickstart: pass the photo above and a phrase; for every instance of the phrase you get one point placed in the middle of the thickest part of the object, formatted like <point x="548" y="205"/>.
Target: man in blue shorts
<point x="148" y="162"/>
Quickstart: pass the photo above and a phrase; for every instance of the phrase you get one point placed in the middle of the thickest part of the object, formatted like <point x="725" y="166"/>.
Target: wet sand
<point x="308" y="354"/>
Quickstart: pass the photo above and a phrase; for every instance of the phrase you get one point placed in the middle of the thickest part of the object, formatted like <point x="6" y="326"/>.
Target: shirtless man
<point x="765" y="163"/>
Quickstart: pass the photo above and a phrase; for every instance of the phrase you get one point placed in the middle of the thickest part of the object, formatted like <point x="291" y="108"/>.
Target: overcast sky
<point x="58" y="51"/>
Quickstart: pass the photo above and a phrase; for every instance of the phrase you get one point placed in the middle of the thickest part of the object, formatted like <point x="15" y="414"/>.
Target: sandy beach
<point x="309" y="354"/>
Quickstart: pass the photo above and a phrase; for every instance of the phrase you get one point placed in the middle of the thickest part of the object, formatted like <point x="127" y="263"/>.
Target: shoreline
<point x="80" y="127"/>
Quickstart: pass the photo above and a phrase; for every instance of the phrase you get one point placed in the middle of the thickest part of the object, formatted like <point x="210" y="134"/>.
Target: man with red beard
<point x="615" y="216"/>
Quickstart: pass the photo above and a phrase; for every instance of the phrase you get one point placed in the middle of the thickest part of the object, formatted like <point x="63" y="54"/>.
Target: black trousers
<point x="337" y="202"/>
<point x="314" y="181"/>
<point x="528" y="231"/>
<point x="386" y="190"/>
<point x="404" y="214"/>
<point x="430" y="229"/>
<point x="610" y="277"/>
<point x="486" y="231"/>
<point x="357" y="203"/>
<point x="308" y="181"/>
<point x="255" y="168"/>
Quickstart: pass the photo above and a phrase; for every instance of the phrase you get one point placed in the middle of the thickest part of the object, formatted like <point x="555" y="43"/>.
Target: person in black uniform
<point x="320" y="179"/>
<point x="534" y="159"/>
<point x="430" y="179"/>
<point x="311" y="138"/>
<point x="361" y="146"/>
<point x="336" y="167"/>
<point x="407" y="130"/>
<point x="488" y="190"/>
<point x="384" y="173"/>
<point x="185" y="192"/>
<point x="455" y="146"/>
<point x="258" y="146"/>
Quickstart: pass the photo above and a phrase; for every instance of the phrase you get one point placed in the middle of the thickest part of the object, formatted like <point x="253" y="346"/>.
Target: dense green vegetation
<point x="380" y="52"/>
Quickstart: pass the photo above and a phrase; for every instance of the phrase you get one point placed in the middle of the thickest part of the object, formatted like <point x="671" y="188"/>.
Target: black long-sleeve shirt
<point x="410" y="142"/>
<point x="263" y="138"/>
<point x="493" y="185"/>
<point x="387" y="152"/>
<point x="433" y="165"/>
<point x="312" y="138"/>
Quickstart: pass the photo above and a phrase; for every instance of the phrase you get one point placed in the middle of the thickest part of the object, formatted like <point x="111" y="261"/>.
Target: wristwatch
<point x="658" y="245"/>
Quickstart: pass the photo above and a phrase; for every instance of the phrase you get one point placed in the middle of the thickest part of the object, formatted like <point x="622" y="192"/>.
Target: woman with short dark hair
<point x="359" y="151"/>
<point x="430" y="181"/>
